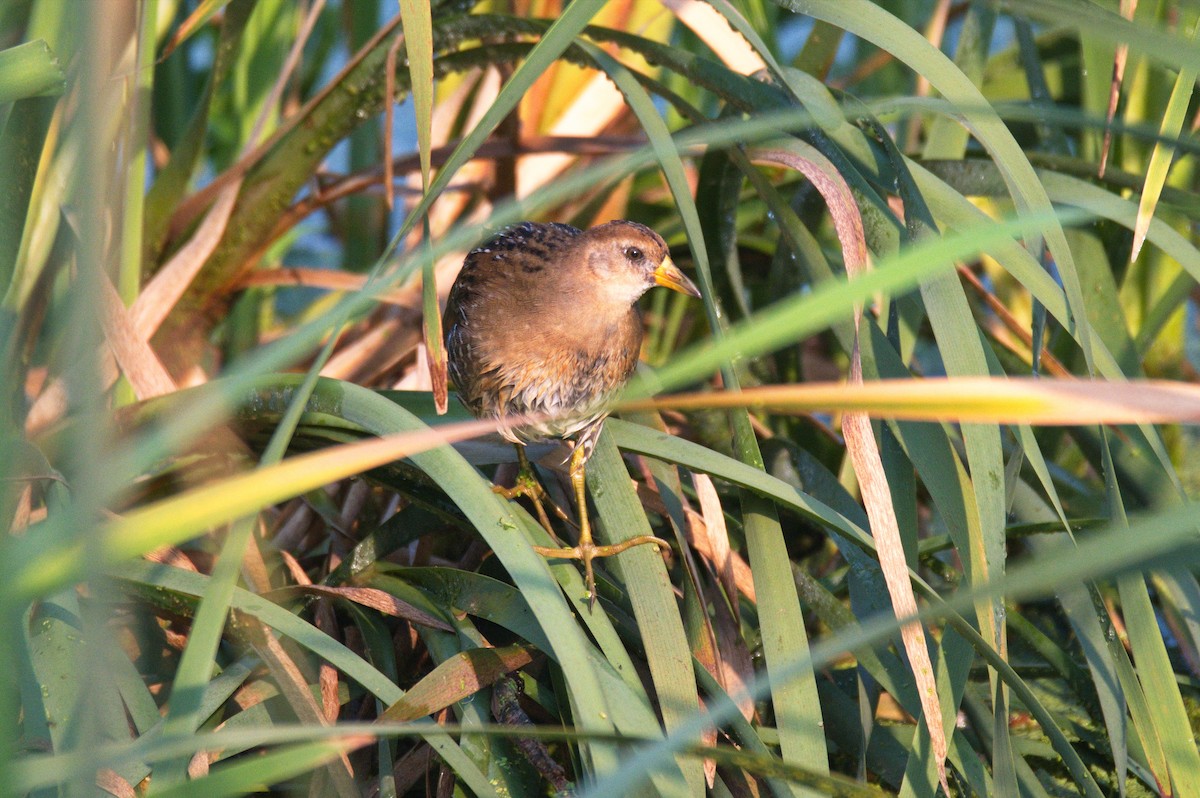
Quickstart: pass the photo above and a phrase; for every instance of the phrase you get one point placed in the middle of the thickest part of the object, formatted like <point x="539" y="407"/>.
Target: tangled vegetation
<point x="924" y="449"/>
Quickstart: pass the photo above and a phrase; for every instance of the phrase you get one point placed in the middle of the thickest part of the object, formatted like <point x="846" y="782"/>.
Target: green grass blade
<point x="504" y="605"/>
<point x="416" y="19"/>
<point x="557" y="38"/>
<point x="29" y="70"/>
<point x="21" y="143"/>
<point x="192" y="586"/>
<point x="796" y="705"/>
<point x="651" y="594"/>
<point x="1168" y="713"/>
<point x="796" y="317"/>
<point x="418" y="47"/>
<point x="874" y="24"/>
<point x="257" y="773"/>
<point x="1161" y="536"/>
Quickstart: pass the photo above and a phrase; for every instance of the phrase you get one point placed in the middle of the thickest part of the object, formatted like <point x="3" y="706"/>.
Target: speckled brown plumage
<point x="543" y="319"/>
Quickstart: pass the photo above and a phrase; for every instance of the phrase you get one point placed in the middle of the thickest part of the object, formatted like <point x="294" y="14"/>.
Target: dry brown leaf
<point x="697" y="536"/>
<point x="860" y="440"/>
<point x="717" y="533"/>
<point x="111" y="783"/>
<point x="288" y="678"/>
<point x="376" y="351"/>
<point x="735" y="668"/>
<point x="159" y="296"/>
<point x="457" y="677"/>
<point x="708" y="737"/>
<point x="293" y="567"/>
<point x="195" y="20"/>
<point x="198" y="764"/>
<point x="417" y="377"/>
<point x="327" y="675"/>
<point x="138" y="362"/>
<point x="598" y="104"/>
<point x="327" y="279"/>
<point x="150" y="308"/>
<point x="379" y="600"/>
<point x="698" y="540"/>
<point x="23" y="512"/>
<point x="170" y="555"/>
<point x="1127" y="9"/>
<point x="254" y="693"/>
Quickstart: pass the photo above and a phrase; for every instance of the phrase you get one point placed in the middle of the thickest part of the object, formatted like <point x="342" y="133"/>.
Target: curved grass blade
<point x="876" y="25"/>
<point x="796" y="317"/>
<point x="796" y="705"/>
<point x="162" y="581"/>
<point x="860" y="438"/>
<point x="1160" y="160"/>
<point x="1156" y="538"/>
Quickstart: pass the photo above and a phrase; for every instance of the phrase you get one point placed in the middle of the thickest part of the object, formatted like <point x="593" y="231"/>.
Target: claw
<point x="587" y="551"/>
<point x="527" y="485"/>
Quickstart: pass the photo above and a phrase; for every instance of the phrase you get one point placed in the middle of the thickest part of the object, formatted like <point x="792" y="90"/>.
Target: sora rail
<point x="543" y="320"/>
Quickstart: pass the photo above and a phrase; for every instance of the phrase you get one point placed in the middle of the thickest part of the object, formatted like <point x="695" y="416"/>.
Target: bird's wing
<point x="486" y="278"/>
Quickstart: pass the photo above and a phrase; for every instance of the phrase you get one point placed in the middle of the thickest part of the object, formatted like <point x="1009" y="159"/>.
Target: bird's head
<point x="628" y="259"/>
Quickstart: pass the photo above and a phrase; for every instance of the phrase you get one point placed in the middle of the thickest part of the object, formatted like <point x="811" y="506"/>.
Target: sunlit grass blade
<point x="795" y="317"/>
<point x="180" y="518"/>
<point x="876" y="25"/>
<point x="1160" y="159"/>
<point x="418" y="49"/>
<point x="862" y="448"/>
<point x="998" y="400"/>
<point x="984" y="548"/>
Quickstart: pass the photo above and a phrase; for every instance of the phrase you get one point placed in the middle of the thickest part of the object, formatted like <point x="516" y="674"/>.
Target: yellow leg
<point x="587" y="551"/>
<point x="528" y="485"/>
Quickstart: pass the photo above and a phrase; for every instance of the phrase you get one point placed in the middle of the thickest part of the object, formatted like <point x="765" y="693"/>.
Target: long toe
<point x="587" y="551"/>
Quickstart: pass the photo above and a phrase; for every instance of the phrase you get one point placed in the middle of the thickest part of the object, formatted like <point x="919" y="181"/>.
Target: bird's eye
<point x="634" y="254"/>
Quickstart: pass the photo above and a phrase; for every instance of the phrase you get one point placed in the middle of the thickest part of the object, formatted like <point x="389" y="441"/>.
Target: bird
<point x="542" y="321"/>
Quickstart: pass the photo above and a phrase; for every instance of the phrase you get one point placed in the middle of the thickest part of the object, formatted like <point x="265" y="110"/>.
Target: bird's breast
<point x="568" y="379"/>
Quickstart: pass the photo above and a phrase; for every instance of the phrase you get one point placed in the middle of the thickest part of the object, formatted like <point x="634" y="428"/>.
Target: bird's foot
<point x="587" y="551"/>
<point x="528" y="486"/>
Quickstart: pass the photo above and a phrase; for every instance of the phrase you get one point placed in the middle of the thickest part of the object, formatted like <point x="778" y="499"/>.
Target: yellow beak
<point x="668" y="275"/>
